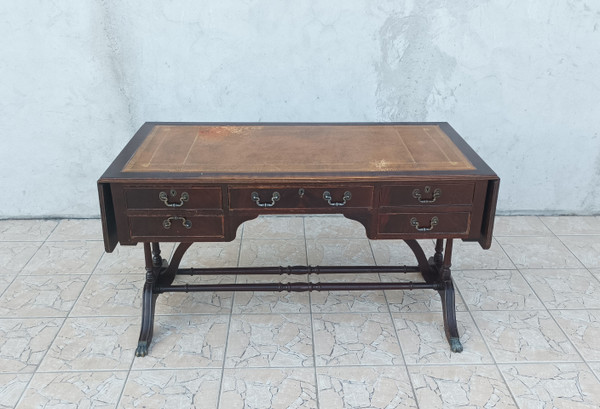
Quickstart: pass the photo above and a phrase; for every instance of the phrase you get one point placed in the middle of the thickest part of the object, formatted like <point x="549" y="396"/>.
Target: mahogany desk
<point x="197" y="182"/>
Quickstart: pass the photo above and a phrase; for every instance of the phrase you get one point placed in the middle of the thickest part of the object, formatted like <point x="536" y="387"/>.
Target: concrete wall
<point x="520" y="80"/>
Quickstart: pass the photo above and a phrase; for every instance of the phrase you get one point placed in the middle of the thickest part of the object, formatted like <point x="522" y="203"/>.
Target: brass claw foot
<point x="142" y="349"/>
<point x="456" y="345"/>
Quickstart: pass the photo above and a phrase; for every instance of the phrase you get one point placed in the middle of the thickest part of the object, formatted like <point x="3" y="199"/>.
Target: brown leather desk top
<point x="298" y="149"/>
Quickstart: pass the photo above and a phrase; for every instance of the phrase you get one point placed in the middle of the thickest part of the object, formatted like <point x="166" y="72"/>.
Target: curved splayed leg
<point x="158" y="271"/>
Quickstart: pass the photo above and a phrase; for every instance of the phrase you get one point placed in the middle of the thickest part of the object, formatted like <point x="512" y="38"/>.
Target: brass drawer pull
<point x="254" y="196"/>
<point x="185" y="222"/>
<point x="165" y="198"/>
<point x="436" y="193"/>
<point x="433" y="222"/>
<point x="327" y="196"/>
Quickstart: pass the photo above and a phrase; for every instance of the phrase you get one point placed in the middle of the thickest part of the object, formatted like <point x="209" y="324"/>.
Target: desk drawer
<point x="301" y="197"/>
<point x="172" y="197"/>
<point x="427" y="194"/>
<point x="424" y="223"/>
<point x="179" y="227"/>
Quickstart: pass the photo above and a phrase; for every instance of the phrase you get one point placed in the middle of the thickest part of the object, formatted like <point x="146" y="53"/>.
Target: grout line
<point x="485" y="342"/>
<point x="389" y="310"/>
<point x="60" y="327"/>
<point x="312" y="323"/>
<point x="242" y="227"/>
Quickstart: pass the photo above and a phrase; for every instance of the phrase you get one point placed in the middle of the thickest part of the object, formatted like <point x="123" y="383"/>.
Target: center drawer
<point x="323" y="197"/>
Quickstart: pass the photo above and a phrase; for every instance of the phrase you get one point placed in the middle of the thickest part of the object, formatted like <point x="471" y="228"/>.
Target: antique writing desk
<point x="188" y="182"/>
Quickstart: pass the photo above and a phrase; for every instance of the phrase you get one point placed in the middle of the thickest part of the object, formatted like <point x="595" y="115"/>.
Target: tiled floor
<point x="528" y="312"/>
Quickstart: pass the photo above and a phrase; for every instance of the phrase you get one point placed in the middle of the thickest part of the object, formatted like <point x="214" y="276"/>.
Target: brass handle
<point x="185" y="222"/>
<point x="432" y="223"/>
<point x="165" y="198"/>
<point x="327" y="196"/>
<point x="436" y="193"/>
<point x="254" y="196"/>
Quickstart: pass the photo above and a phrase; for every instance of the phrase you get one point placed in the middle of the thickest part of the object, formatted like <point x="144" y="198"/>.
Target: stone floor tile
<point x="41" y="296"/>
<point x="470" y="256"/>
<point x="270" y="302"/>
<point x="585" y="248"/>
<point x="583" y="329"/>
<point x="520" y="226"/>
<point x="266" y="253"/>
<point x="524" y="336"/>
<point x="24" y="342"/>
<point x="5" y="281"/>
<point x="340" y="301"/>
<point x="415" y="300"/>
<point x="186" y="388"/>
<point x="397" y="252"/>
<point x="12" y="387"/>
<point x="186" y="341"/>
<point x="423" y="339"/>
<point x="128" y="260"/>
<point x="462" y="386"/>
<point x="15" y="255"/>
<point x="572" y="224"/>
<point x="73" y="390"/>
<point x="496" y="290"/>
<point x="340" y="252"/>
<point x="77" y="229"/>
<point x="110" y="295"/>
<point x="595" y="366"/>
<point x="558" y="385"/>
<point x="274" y="227"/>
<point x="269" y="340"/>
<point x="564" y="288"/>
<point x="276" y="388"/>
<point x="333" y="227"/>
<point x="355" y="339"/>
<point x="365" y="387"/>
<point x="538" y="252"/>
<point x="202" y="302"/>
<point x="78" y="257"/>
<point x="208" y="255"/>
<point x="348" y="301"/>
<point x="88" y="344"/>
<point x="26" y="230"/>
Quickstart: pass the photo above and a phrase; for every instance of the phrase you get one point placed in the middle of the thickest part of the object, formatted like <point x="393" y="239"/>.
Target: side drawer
<point x="300" y="197"/>
<point x="170" y="197"/>
<point x="178" y="227"/>
<point x="427" y="194"/>
<point x="424" y="223"/>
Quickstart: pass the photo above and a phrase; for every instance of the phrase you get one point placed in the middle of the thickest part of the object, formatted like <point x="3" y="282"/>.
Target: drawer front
<point x="179" y="227"/>
<point x="301" y="197"/>
<point x="173" y="197"/>
<point x="428" y="194"/>
<point x="424" y="223"/>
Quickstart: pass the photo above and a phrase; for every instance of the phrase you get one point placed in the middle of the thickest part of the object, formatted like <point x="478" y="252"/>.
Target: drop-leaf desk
<point x="197" y="182"/>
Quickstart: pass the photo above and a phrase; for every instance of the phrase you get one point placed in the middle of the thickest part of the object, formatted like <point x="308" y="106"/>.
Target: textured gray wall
<point x="518" y="79"/>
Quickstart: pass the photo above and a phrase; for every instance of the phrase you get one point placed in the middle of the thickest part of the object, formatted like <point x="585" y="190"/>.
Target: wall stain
<point x="409" y="66"/>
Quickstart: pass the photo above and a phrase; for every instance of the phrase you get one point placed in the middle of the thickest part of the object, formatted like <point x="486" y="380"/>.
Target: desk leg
<point x="442" y="265"/>
<point x="158" y="272"/>
<point x="437" y="270"/>
<point x="149" y="298"/>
